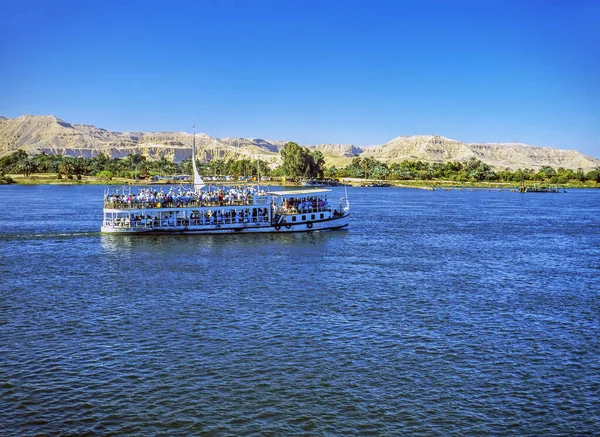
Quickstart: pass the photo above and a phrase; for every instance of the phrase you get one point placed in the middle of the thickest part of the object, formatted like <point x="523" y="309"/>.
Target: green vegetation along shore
<point x="296" y="163"/>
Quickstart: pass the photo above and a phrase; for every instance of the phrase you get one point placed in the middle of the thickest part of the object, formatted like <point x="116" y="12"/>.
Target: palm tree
<point x="42" y="161"/>
<point x="79" y="165"/>
<point x="26" y="166"/>
<point x="66" y="166"/>
<point x="217" y="166"/>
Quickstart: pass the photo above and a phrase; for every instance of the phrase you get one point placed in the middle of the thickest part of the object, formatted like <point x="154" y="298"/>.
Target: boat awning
<point x="299" y="193"/>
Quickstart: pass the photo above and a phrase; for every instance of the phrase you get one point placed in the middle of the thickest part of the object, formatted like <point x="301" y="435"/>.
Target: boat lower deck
<point x="229" y="228"/>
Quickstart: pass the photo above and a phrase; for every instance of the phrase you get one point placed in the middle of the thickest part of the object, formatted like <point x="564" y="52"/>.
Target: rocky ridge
<point x="52" y="135"/>
<point x="434" y="148"/>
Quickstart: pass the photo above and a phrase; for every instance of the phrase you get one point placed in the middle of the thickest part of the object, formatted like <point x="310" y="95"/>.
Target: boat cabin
<point x="301" y="206"/>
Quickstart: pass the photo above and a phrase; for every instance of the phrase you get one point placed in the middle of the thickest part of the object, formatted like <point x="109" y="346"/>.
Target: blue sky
<point x="360" y="72"/>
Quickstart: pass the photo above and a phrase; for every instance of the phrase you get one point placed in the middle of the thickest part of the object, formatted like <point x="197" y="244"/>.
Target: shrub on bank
<point x="104" y="176"/>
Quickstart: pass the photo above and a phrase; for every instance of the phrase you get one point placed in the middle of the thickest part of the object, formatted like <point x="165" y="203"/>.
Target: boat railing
<point x="172" y="222"/>
<point x="294" y="211"/>
<point x="262" y="200"/>
<point x="228" y="220"/>
<point x="180" y="204"/>
<point x="124" y="223"/>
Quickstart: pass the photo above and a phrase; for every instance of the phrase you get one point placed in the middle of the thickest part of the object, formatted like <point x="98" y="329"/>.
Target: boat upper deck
<point x="185" y="198"/>
<point x="148" y="198"/>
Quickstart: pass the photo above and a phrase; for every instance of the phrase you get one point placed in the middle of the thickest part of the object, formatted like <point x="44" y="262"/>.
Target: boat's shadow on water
<point x="191" y="243"/>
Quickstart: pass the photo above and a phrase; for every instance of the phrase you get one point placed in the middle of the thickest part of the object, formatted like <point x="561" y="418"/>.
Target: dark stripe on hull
<point x="295" y="227"/>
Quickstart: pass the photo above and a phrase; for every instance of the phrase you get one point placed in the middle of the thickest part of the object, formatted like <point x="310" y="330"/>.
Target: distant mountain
<point x="341" y="150"/>
<point x="434" y="148"/>
<point x="337" y="154"/>
<point x="53" y="135"/>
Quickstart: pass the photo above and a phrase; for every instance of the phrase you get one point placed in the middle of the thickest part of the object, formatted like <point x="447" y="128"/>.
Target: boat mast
<point x="258" y="172"/>
<point x="198" y="182"/>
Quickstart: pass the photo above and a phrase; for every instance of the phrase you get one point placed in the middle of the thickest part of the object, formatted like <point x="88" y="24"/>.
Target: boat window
<point x="303" y="217"/>
<point x="322" y="215"/>
<point x="293" y="218"/>
<point x="312" y="217"/>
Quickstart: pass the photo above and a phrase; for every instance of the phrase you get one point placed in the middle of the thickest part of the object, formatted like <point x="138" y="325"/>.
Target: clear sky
<point x="360" y="72"/>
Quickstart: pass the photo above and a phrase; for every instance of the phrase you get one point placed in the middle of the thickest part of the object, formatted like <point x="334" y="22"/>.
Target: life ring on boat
<point x="309" y="225"/>
<point x="288" y="226"/>
<point x="277" y="227"/>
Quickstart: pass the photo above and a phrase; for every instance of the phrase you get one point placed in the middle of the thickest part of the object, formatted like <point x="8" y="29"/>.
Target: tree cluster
<point x="473" y="170"/>
<point x="297" y="163"/>
<point x="221" y="167"/>
<point x="131" y="166"/>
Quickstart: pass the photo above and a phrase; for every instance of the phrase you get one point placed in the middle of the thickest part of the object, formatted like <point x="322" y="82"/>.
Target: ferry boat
<point x="195" y="210"/>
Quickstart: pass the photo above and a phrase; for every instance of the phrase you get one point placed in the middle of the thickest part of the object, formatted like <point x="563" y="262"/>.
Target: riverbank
<point x="437" y="185"/>
<point x="52" y="179"/>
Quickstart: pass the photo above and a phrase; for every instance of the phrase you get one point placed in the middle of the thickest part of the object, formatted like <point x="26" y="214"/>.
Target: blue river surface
<point x="436" y="313"/>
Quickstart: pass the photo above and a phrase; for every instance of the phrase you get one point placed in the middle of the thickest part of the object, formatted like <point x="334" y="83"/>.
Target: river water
<point x="436" y="313"/>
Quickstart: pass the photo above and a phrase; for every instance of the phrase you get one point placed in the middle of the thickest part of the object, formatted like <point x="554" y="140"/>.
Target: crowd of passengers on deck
<point x="183" y="198"/>
<point x="295" y="205"/>
<point x="209" y="217"/>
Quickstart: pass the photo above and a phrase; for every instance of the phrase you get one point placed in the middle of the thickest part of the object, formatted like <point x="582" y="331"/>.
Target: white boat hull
<point x="234" y="228"/>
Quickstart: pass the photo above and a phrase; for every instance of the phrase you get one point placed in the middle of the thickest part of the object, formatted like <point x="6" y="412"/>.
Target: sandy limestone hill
<point x="52" y="135"/>
<point x="435" y="148"/>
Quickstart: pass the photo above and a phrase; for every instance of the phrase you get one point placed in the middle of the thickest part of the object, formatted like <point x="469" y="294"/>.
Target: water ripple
<point x="452" y="313"/>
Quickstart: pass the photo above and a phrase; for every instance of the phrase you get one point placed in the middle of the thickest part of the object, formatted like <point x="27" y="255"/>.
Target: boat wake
<point x="50" y="235"/>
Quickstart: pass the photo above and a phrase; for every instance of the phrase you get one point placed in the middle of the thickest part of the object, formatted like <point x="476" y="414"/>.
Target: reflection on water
<point x="244" y="243"/>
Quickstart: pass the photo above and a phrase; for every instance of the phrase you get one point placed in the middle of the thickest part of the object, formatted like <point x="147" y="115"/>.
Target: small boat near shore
<point x="375" y="185"/>
<point x="319" y="183"/>
<point x="238" y="209"/>
<point x="541" y="189"/>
